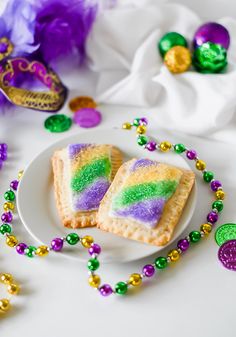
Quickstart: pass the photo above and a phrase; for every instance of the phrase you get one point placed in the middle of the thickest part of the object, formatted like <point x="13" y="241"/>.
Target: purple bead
<point x="1" y="164"/>
<point x="7" y="217"/>
<point x="105" y="290"/>
<point x="212" y="217"/>
<point x="148" y="270"/>
<point x="3" y="147"/>
<point x="20" y="248"/>
<point x="212" y="32"/>
<point x="191" y="154"/>
<point x="143" y="121"/>
<point x="3" y="156"/>
<point x="94" y="249"/>
<point x="14" y="184"/>
<point x="183" y="244"/>
<point x="215" y="184"/>
<point x="151" y="146"/>
<point x="57" y="244"/>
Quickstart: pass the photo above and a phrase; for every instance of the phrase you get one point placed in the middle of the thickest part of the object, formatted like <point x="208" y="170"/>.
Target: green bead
<point x="161" y="262"/>
<point x="218" y="204"/>
<point x="93" y="264"/>
<point x="208" y="176"/>
<point x="72" y="238"/>
<point x="58" y="123"/>
<point x="179" y="148"/>
<point x="142" y="140"/>
<point x="9" y="195"/>
<point x="121" y="288"/>
<point x="29" y="251"/>
<point x="136" y="121"/>
<point x="210" y="58"/>
<point x="5" y="228"/>
<point x="195" y="236"/>
<point x="170" y="40"/>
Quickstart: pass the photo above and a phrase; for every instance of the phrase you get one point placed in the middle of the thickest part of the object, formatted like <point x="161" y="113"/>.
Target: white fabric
<point x="123" y="50"/>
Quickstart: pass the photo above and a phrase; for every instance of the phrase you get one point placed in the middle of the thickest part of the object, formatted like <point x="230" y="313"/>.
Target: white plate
<point x="38" y="212"/>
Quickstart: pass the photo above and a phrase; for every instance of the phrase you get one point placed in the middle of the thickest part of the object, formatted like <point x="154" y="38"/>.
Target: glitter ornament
<point x="212" y="32"/>
<point x="170" y="40"/>
<point x="178" y="59"/>
<point x="58" y="123"/>
<point x="225" y="233"/>
<point x="210" y="58"/>
<point x="227" y="255"/>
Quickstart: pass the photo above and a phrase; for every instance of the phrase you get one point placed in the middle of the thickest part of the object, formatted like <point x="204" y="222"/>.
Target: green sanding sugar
<point x="88" y="173"/>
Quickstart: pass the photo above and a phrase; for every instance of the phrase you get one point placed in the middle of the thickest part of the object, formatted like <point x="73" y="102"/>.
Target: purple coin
<point x="212" y="32"/>
<point x="87" y="117"/>
<point x="227" y="254"/>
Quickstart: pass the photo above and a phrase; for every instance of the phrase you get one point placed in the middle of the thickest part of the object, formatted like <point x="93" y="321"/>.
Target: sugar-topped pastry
<point x="82" y="175"/>
<point x="145" y="201"/>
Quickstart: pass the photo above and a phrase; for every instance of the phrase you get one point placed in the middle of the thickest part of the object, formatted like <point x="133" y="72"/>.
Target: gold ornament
<point x="178" y="59"/>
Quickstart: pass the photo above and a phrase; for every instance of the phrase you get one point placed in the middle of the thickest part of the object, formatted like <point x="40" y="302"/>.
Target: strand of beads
<point x="12" y="289"/>
<point x="3" y="154"/>
<point x="162" y="262"/>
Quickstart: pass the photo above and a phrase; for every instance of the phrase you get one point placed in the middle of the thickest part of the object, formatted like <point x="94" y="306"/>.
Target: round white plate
<point x="37" y="209"/>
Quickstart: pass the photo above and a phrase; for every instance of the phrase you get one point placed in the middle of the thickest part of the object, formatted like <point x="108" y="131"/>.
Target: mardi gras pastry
<point x="145" y="201"/>
<point x="82" y="175"/>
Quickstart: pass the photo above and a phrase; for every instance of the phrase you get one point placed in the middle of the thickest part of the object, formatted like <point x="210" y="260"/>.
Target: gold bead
<point x="220" y="195"/>
<point x="87" y="241"/>
<point x="200" y="165"/>
<point x="20" y="174"/>
<point x="165" y="146"/>
<point x="206" y="228"/>
<point x="11" y="240"/>
<point x="126" y="126"/>
<point x="8" y="206"/>
<point x="135" y="279"/>
<point x="6" y="278"/>
<point x="178" y="59"/>
<point x="141" y="129"/>
<point x="13" y="289"/>
<point x="42" y="251"/>
<point x="174" y="255"/>
<point x="4" y="305"/>
<point x="94" y="281"/>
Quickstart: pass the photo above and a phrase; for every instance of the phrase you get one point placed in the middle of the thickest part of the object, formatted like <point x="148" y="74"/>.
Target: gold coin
<point x="81" y="102"/>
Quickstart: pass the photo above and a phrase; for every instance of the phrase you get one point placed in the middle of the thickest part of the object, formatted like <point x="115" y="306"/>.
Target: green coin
<point x="58" y="123"/>
<point x="225" y="233"/>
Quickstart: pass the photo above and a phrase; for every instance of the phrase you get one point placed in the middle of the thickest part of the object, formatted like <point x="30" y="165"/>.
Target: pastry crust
<point x="70" y="218"/>
<point x="131" y="229"/>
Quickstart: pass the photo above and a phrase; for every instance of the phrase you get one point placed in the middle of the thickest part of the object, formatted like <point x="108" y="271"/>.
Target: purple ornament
<point x="14" y="184"/>
<point x="215" y="184"/>
<point x="94" y="249"/>
<point x="212" y="217"/>
<point x="57" y="244"/>
<point x="183" y="244"/>
<point x="20" y="248"/>
<point x="143" y="121"/>
<point x="7" y="217"/>
<point x="105" y="290"/>
<point x="191" y="154"/>
<point x="212" y="32"/>
<point x="148" y="270"/>
<point x="3" y="147"/>
<point x="151" y="146"/>
<point x="227" y="254"/>
<point x="87" y="117"/>
<point x="3" y="156"/>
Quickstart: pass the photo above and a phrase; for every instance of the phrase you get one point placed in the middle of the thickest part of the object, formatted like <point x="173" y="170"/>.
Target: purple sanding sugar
<point x="91" y="197"/>
<point x="74" y="149"/>
<point x="148" y="212"/>
<point x="142" y="163"/>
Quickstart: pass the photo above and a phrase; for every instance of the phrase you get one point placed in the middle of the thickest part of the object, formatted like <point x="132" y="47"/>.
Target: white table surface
<point x="195" y="297"/>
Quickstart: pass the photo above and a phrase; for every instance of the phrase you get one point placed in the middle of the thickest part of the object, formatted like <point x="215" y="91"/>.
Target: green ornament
<point x="72" y="238"/>
<point x="121" y="288"/>
<point x="179" y="148"/>
<point x="195" y="236"/>
<point x="208" y="176"/>
<point x="29" y="251"/>
<point x="5" y="228"/>
<point x="161" y="262"/>
<point x="142" y="140"/>
<point x="58" y="123"/>
<point x="136" y="121"/>
<point x="93" y="264"/>
<point x="218" y="204"/>
<point x="225" y="233"/>
<point x="210" y="58"/>
<point x="9" y="195"/>
<point x="170" y="40"/>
